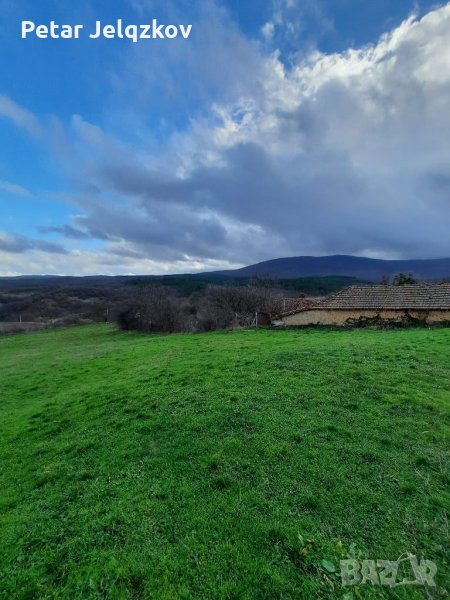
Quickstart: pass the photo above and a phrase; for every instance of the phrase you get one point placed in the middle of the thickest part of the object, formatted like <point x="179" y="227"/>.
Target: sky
<point x="277" y="128"/>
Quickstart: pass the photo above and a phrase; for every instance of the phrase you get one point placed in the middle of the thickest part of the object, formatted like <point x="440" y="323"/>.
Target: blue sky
<point x="273" y="130"/>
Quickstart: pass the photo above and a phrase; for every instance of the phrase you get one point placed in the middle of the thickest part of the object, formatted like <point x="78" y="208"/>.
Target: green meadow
<point x="240" y="465"/>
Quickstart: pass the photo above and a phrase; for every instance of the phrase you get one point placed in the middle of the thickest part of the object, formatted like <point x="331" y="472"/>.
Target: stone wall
<point x="342" y="317"/>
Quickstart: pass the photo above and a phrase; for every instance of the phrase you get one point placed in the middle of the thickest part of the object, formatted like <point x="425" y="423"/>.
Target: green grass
<point x="224" y="465"/>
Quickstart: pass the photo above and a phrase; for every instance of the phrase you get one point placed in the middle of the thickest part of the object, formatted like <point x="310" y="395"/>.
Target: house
<point x="428" y="302"/>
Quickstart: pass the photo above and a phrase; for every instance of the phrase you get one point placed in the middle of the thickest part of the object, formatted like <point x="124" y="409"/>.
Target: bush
<point x="154" y="310"/>
<point x="158" y="309"/>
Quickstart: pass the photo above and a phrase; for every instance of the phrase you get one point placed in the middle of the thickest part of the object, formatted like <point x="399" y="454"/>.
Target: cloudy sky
<point x="279" y="128"/>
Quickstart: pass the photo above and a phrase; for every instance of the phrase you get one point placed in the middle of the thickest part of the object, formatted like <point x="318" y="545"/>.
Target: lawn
<point x="238" y="465"/>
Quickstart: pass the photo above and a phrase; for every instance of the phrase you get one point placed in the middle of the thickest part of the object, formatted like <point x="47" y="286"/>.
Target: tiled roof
<point x="290" y="306"/>
<point x="430" y="296"/>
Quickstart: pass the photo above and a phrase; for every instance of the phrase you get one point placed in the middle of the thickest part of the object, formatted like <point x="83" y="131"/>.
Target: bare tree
<point x="159" y="309"/>
<point x="154" y="309"/>
<point x="237" y="305"/>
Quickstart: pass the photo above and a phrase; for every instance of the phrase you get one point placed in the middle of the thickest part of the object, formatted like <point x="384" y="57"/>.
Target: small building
<point x="429" y="303"/>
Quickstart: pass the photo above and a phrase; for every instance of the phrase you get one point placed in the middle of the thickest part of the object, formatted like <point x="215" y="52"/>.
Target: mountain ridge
<point x="334" y="265"/>
<point x="371" y="269"/>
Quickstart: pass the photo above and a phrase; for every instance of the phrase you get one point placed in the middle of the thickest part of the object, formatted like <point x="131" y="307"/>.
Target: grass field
<point x="225" y="465"/>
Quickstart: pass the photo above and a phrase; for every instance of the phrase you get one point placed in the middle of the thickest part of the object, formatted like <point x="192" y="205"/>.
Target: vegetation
<point x="158" y="309"/>
<point x="61" y="301"/>
<point x="30" y="303"/>
<point x="189" y="284"/>
<point x="223" y="465"/>
<point x="318" y="286"/>
<point x="405" y="279"/>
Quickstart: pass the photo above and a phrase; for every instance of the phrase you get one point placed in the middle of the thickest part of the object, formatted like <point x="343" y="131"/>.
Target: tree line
<point x="159" y="308"/>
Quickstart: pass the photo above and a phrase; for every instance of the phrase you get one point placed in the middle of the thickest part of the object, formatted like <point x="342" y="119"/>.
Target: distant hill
<point x="369" y="269"/>
<point x="334" y="272"/>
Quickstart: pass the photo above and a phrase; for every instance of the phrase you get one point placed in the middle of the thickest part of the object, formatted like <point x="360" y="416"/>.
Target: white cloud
<point x="81" y="263"/>
<point x="268" y="30"/>
<point x="20" y="116"/>
<point x="14" y="188"/>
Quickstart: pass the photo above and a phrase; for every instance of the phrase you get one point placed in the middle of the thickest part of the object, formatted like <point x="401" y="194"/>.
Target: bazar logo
<point x="388" y="572"/>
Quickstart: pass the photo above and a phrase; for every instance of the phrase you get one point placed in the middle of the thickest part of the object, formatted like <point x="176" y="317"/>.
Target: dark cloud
<point x="170" y="234"/>
<point x="18" y="244"/>
<point x="67" y="231"/>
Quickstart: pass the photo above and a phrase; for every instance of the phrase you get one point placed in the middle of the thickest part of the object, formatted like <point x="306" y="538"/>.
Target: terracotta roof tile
<point x="295" y="305"/>
<point x="430" y="296"/>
